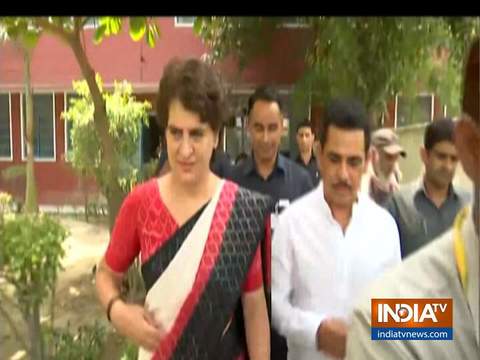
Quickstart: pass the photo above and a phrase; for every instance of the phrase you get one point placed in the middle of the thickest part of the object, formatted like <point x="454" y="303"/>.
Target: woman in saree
<point x="198" y="237"/>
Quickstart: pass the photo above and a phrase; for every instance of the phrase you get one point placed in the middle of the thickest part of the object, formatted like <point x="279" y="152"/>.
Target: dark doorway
<point x="151" y="136"/>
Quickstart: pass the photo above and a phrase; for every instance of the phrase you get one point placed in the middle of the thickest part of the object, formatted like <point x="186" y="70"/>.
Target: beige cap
<point x="385" y="139"/>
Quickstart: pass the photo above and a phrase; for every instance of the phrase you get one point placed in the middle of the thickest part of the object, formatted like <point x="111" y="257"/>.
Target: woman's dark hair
<point x="198" y="87"/>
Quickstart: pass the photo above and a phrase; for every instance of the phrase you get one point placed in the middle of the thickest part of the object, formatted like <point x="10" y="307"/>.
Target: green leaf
<point x="13" y="32"/>
<point x="99" y="34"/>
<point x="115" y="25"/>
<point x="30" y="39"/>
<point x="151" y="35"/>
<point x="154" y="28"/>
<point x="138" y="26"/>
<point x="197" y="25"/>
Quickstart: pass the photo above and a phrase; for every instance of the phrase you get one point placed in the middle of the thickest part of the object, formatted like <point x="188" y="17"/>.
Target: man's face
<point x="342" y="162"/>
<point x="467" y="141"/>
<point x="440" y="163"/>
<point x="387" y="162"/>
<point x="305" y="139"/>
<point x="265" y="129"/>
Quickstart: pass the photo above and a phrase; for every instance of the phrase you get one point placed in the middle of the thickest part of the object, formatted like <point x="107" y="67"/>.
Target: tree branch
<point x="78" y="24"/>
<point x="84" y="21"/>
<point x="54" y="29"/>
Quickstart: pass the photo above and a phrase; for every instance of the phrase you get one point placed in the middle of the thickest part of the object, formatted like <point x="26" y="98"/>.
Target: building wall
<point x="57" y="182"/>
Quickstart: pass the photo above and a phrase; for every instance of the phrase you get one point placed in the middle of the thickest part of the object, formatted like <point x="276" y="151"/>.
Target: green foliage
<point x="149" y="169"/>
<point x="137" y="27"/>
<point x="6" y="204"/>
<point x="86" y="344"/>
<point x="27" y="30"/>
<point x="125" y="116"/>
<point x="21" y="30"/>
<point x="6" y="208"/>
<point x="32" y="251"/>
<point x="245" y="37"/>
<point x="13" y="172"/>
<point x="130" y="351"/>
<point x="140" y="27"/>
<point x="372" y="58"/>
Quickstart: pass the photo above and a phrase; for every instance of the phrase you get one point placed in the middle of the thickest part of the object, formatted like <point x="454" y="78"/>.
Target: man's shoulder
<point x="429" y="272"/>
<point x="408" y="189"/>
<point x="373" y="210"/>
<point x="464" y="194"/>
<point x="404" y="196"/>
<point x="294" y="168"/>
<point x="246" y="193"/>
<point x="238" y="172"/>
<point x="301" y="207"/>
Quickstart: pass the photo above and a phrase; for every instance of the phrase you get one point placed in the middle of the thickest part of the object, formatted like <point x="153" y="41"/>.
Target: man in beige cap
<point x="384" y="175"/>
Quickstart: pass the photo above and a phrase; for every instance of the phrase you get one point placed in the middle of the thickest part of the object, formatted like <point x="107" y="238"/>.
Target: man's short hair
<point x="264" y="93"/>
<point x="347" y="114"/>
<point x="438" y="131"/>
<point x="305" y="124"/>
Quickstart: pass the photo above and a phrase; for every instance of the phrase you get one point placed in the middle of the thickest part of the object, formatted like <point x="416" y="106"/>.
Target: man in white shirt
<point x="331" y="243"/>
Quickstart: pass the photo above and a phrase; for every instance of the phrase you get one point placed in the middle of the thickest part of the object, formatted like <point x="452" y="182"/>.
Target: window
<point x="418" y="111"/>
<point x="186" y="21"/>
<point x="293" y="22"/>
<point x="5" y="128"/>
<point x="44" y="133"/>
<point x="68" y="126"/>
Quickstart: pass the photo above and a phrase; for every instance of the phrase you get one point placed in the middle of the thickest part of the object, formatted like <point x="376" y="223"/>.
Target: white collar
<point x="325" y="208"/>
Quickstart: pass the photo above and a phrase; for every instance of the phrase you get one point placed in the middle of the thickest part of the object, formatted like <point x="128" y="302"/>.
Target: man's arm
<point x="391" y="207"/>
<point x="295" y="324"/>
<point x="361" y="347"/>
<point x="256" y="324"/>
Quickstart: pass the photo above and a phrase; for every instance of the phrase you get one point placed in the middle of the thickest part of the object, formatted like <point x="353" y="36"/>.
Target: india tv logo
<point x="412" y="319"/>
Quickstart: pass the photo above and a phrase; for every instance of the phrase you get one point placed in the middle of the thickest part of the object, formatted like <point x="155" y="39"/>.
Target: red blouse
<point x="144" y="224"/>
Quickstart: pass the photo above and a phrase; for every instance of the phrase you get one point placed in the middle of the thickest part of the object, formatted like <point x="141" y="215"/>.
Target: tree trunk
<point x="52" y="305"/>
<point x="36" y="336"/>
<point x="109" y="160"/>
<point x="84" y="187"/>
<point x="114" y="199"/>
<point x="31" y="205"/>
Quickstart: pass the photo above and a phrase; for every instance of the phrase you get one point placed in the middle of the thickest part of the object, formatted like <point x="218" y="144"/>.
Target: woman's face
<point x="190" y="144"/>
